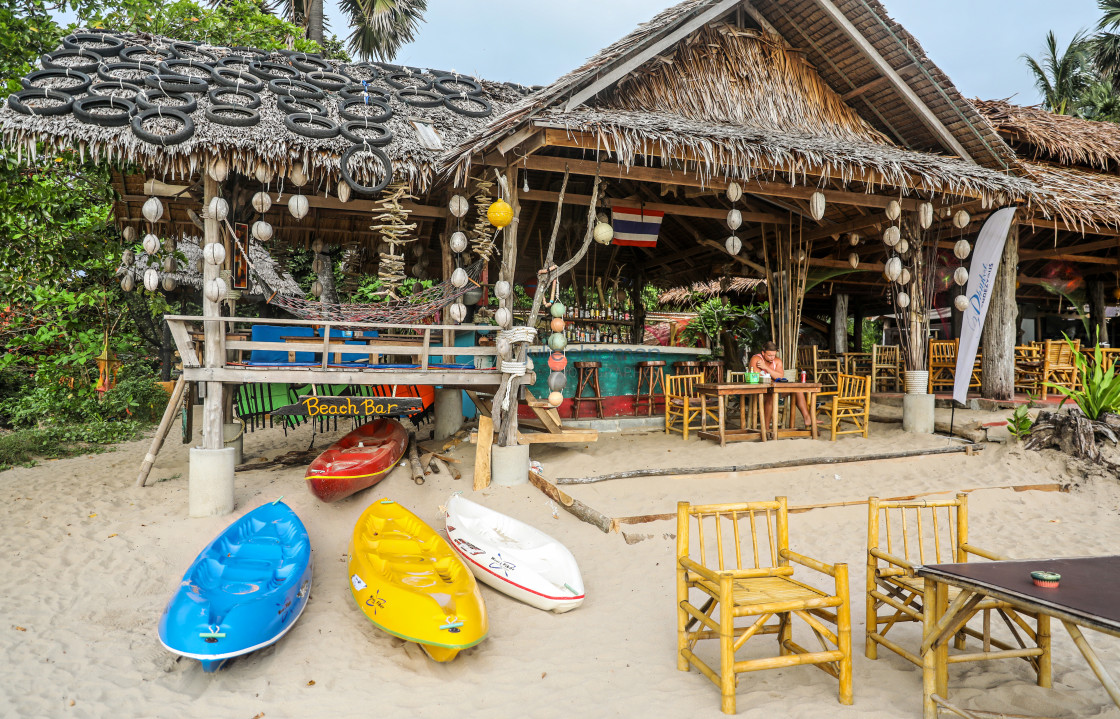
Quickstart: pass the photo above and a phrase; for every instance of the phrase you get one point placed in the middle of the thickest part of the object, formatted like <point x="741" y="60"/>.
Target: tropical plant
<point x="381" y="27"/>
<point x="1019" y="423"/>
<point x="1062" y="77"/>
<point x="1105" y="47"/>
<point x="1099" y="393"/>
<point x="716" y="320"/>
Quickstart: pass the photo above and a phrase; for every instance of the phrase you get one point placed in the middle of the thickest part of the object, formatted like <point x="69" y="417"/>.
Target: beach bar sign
<point x="326" y="406"/>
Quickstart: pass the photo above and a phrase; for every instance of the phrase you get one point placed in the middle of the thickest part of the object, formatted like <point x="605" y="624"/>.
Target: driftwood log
<point x="576" y="507"/>
<point x="1074" y="433"/>
<point x="414" y="460"/>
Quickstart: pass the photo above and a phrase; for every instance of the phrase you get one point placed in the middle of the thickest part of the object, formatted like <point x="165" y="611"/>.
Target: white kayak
<point x="513" y="557"/>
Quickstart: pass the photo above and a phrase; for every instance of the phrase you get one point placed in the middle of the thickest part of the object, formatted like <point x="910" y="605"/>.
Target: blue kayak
<point x="244" y="591"/>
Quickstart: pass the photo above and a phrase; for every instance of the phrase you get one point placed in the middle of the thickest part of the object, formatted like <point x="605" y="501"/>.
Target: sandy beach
<point x="91" y="562"/>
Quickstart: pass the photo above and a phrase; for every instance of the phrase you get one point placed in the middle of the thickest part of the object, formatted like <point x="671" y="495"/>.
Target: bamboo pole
<point x="161" y="432"/>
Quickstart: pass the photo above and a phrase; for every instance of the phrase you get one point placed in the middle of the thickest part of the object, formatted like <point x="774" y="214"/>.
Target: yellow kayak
<point x="410" y="583"/>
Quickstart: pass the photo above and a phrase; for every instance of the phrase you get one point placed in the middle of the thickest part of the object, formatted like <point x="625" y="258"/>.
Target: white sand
<point x="90" y="562"/>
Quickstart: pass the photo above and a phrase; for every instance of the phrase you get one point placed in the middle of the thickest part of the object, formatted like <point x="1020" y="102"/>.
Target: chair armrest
<point x="693" y="566"/>
<point x="982" y="553"/>
<point x="891" y="559"/>
<point x="829" y="569"/>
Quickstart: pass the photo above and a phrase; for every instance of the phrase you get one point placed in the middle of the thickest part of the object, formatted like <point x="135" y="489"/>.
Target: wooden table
<point x="721" y="391"/>
<point x="1086" y="597"/>
<point x="812" y="389"/>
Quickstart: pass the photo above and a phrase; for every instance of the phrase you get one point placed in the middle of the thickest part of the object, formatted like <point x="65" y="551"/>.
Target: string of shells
<point x="482" y="232"/>
<point x="733" y="244"/>
<point x="392" y="224"/>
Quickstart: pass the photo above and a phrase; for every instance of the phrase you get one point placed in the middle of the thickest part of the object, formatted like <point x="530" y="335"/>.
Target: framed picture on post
<point x="240" y="267"/>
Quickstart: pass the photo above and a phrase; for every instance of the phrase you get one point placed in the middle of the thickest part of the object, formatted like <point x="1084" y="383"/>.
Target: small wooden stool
<point x="589" y="379"/>
<point x="713" y="371"/>
<point x="689" y="367"/>
<point x="652" y="374"/>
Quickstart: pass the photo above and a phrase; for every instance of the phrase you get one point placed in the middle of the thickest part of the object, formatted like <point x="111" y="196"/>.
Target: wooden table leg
<point x="813" y="414"/>
<point x="774" y="415"/>
<point x="760" y="411"/>
<point x="703" y="413"/>
<point x="930" y="618"/>
<point x="1099" y="669"/>
<point x="722" y="423"/>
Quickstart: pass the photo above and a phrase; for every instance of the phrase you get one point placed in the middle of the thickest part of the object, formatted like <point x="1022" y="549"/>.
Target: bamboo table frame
<point x="721" y="391"/>
<point x="1086" y="582"/>
<point x="812" y="389"/>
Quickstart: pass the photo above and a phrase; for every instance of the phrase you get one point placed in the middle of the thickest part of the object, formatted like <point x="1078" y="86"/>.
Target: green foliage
<point x="372" y="289"/>
<point x="23" y="447"/>
<point x="381" y="27"/>
<point x="1062" y="76"/>
<point x="747" y="324"/>
<point x="1019" y="423"/>
<point x="1100" y="390"/>
<point x="27" y="30"/>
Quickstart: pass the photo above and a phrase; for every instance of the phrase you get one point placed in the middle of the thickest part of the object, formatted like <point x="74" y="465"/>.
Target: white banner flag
<point x="981" y="276"/>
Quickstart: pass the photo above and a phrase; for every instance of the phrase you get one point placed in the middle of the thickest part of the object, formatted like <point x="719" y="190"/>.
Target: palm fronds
<point x="1062" y="77"/>
<point x="381" y="27"/>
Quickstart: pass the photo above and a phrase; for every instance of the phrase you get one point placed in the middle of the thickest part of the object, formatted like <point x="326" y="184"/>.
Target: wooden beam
<point x="1059" y="225"/>
<point x="161" y="189"/>
<point x="714" y="213"/>
<point x="911" y="98"/>
<point x="859" y="223"/>
<point x="868" y="87"/>
<point x="843" y="264"/>
<point x="1087" y="259"/>
<point x="1054" y="252"/>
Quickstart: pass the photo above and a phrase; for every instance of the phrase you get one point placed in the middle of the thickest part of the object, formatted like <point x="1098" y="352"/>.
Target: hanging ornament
<point x="817" y="205"/>
<point x="501" y="289"/>
<point x="343" y="192"/>
<point x="903" y="247"/>
<point x="925" y="215"/>
<point x="960" y="276"/>
<point x="894" y="210"/>
<point x="961" y="303"/>
<point x="459" y="277"/>
<point x="219" y="209"/>
<point x="733" y="245"/>
<point x="129" y="234"/>
<point x="262" y="202"/>
<point x="298" y="175"/>
<point x="557" y="381"/>
<point x="263" y="173"/>
<point x="499" y="213"/>
<point x="603" y="233"/>
<point x="557" y="361"/>
<point x="961" y="249"/>
<point x="853" y="239"/>
<point x="504" y="347"/>
<point x="556" y="324"/>
<point x="128" y="282"/>
<point x="458" y="242"/>
<point x="458" y="312"/>
<point x="262" y="231"/>
<point x="127" y="258"/>
<point x="555" y="398"/>
<point x="961" y="219"/>
<point x="557" y="341"/>
<point x="902" y="300"/>
<point x="151" y="279"/>
<point x="216" y="290"/>
<point x="317" y="265"/>
<point x="734" y="219"/>
<point x="298" y="206"/>
<point x="417" y="271"/>
<point x="503" y="317"/>
<point x="152" y="209"/>
<point x="151" y="244"/>
<point x="734" y="192"/>
<point x="459" y="205"/>
<point x="316" y="289"/>
<point x="557" y="309"/>
<point x="853" y="260"/>
<point x="214" y="253"/>
<point x="218" y="170"/>
<point x="904" y="277"/>
<point x="891" y="236"/>
<point x="892" y="269"/>
<point x="169" y="284"/>
<point x="317" y="246"/>
<point x="169" y="264"/>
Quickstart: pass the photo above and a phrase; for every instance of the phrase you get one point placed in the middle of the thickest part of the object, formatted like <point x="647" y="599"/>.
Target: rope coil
<point x="519" y="334"/>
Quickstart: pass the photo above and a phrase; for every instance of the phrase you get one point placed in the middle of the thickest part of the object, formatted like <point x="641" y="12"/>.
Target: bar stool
<point x="687" y="367"/>
<point x="713" y="371"/>
<point x="652" y="374"/>
<point x="588" y="378"/>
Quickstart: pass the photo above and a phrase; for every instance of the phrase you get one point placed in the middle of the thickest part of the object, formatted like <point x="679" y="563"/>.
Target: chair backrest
<point x="739" y="377"/>
<point x="920" y="531"/>
<point x="884" y="355"/>
<point x="749" y="535"/>
<point x="943" y="352"/>
<point x="806" y="356"/>
<point x="1060" y="354"/>
<point x="682" y="385"/>
<point x="853" y="388"/>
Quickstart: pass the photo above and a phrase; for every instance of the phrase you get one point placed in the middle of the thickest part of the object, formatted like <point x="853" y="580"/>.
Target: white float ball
<point x="219" y="209"/>
<point x="458" y="242"/>
<point x="504" y="347"/>
<point x="169" y="284"/>
<point x="960" y="302"/>
<point x="343" y="192"/>
<point x="853" y="260"/>
<point x="960" y="276"/>
<point x="734" y="219"/>
<point x="502" y="289"/>
<point x="817" y="205"/>
<point x="902" y="300"/>
<point x="504" y="317"/>
<point x="458" y="205"/>
<point x="262" y="230"/>
<point x="129" y="234"/>
<point x="459" y="277"/>
<point x="904" y="277"/>
<point x="262" y="202"/>
<point x="127" y="258"/>
<point x="151" y="244"/>
<point x="317" y="288"/>
<point x="458" y="312"/>
<point x="903" y="247"/>
<point x="734" y="191"/>
<point x="853" y="239"/>
<point x="128" y="283"/>
<point x="218" y="170"/>
<point x="603" y="233"/>
<point x="891" y="236"/>
<point x="298" y="175"/>
<point x="215" y="290"/>
<point x="894" y="210"/>
<point x="893" y="269"/>
<point x="961" y="249"/>
<point x="733" y="245"/>
<point x="961" y="219"/>
<point x="925" y="215"/>
<point x="298" y="206"/>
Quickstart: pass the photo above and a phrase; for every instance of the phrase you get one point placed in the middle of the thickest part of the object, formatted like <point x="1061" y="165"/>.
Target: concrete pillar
<point x="210" y="486"/>
<point x="509" y="466"/>
<point x="917" y="413"/>
<point x="448" y="413"/>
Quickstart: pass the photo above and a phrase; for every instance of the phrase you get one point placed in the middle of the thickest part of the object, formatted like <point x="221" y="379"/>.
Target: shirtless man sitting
<point x="768" y="361"/>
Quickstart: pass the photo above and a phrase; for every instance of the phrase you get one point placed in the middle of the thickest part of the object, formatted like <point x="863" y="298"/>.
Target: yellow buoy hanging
<point x="500" y="214"/>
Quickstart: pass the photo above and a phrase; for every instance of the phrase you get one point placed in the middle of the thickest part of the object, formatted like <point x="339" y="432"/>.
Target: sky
<point x="976" y="42"/>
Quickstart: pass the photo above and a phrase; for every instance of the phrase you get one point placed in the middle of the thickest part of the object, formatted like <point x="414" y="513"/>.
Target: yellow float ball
<point x="500" y="214"/>
<point x="555" y="398"/>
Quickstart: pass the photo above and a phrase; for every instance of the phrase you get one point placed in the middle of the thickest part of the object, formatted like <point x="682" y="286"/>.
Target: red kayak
<point x="359" y="460"/>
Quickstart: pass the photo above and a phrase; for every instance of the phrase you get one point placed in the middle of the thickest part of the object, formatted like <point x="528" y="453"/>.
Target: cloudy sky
<point x="976" y="42"/>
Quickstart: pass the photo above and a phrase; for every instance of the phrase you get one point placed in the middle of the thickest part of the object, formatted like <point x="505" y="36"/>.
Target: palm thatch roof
<point x="711" y="288"/>
<point x="1042" y="135"/>
<point x="266" y="276"/>
<point x="269" y="143"/>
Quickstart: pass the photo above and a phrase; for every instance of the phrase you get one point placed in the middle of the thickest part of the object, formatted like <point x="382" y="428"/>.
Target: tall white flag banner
<point x="981" y="276"/>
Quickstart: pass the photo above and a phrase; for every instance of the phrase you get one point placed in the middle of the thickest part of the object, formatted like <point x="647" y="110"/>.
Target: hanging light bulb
<point x="524" y="180"/>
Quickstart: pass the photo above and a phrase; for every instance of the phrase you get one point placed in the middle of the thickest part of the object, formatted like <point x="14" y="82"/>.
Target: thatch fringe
<point x="1042" y="135"/>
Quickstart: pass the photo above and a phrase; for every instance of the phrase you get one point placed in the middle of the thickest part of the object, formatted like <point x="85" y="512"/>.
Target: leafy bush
<point x="23" y="447"/>
<point x="1019" y="423"/>
<point x="1100" y="390"/>
<point x="745" y="323"/>
<point x="57" y="397"/>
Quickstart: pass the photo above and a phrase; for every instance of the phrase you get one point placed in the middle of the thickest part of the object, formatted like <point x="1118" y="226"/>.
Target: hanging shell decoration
<point x="734" y="219"/>
<point x="129" y="234"/>
<point x="152" y="209"/>
<point x="925" y="215"/>
<point x="459" y="277"/>
<point x="317" y="246"/>
<point x="817" y="205"/>
<point x="214" y="253"/>
<point x="902" y="300"/>
<point x="317" y="288"/>
<point x="504" y="317"/>
<point x="218" y="170"/>
<point x="263" y="173"/>
<point x="151" y="280"/>
<point x="151" y="244"/>
<point x="127" y="258"/>
<point x="298" y="206"/>
<point x="317" y="265"/>
<point x="892" y="269"/>
<point x="458" y="242"/>
<point x="262" y="231"/>
<point x="902" y="247"/>
<point x="961" y="219"/>
<point x="458" y="312"/>
<point x="392" y="223"/>
<point x="219" y="209"/>
<point x="216" y="290"/>
<point x="459" y="205"/>
<point x="853" y="239"/>
<point x="603" y="233"/>
<point x="853" y="260"/>
<point x="961" y="249"/>
<point x="298" y="175"/>
<point x="170" y="265"/>
<point x="960" y="276"/>
<point x="894" y="210"/>
<point x="169" y="284"/>
<point x="961" y="303"/>
<point x="733" y="245"/>
<point x="891" y="236"/>
<point x="262" y="203"/>
<point x="343" y="192"/>
<point x="128" y="283"/>
<point x="502" y="289"/>
<point x="904" y="277"/>
<point x="482" y="233"/>
<point x="734" y="191"/>
<point x="504" y="347"/>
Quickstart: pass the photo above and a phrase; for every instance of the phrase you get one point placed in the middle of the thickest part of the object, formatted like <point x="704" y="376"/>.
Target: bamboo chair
<point x="805" y="356"/>
<point x="734" y="377"/>
<point x="1028" y="368"/>
<point x="943" y="366"/>
<point x="826" y="370"/>
<point x="682" y="403"/>
<point x="937" y="532"/>
<point x="885" y="363"/>
<point x="759" y="585"/>
<point x="850" y="402"/>
<point x="1058" y="365"/>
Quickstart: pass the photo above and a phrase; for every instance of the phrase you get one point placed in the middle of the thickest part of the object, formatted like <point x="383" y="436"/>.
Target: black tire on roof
<point x="233" y="115"/>
<point x="162" y="140"/>
<point x="329" y="81"/>
<point x="83" y="107"/>
<point x="51" y="60"/>
<point x="308" y="125"/>
<point x="220" y="95"/>
<point x="291" y="105"/>
<point x="446" y="85"/>
<point x="16" y="102"/>
<point x="105" y="71"/>
<point x="462" y="104"/>
<point x="345" y="113"/>
<point x="366" y="190"/>
<point x="115" y="88"/>
<point x="177" y="84"/>
<point x="81" y="40"/>
<point x="82" y="84"/>
<point x="144" y="100"/>
<point x="350" y="132"/>
<point x="419" y="98"/>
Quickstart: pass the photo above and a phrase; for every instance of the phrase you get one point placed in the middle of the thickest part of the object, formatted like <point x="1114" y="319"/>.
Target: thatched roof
<point x="752" y="87"/>
<point x="188" y="272"/>
<point x="711" y="288"/>
<point x="1042" y="135"/>
<point x="270" y="141"/>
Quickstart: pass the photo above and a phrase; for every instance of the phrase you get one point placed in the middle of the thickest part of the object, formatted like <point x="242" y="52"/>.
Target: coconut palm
<point x="381" y="27"/>
<point x="1062" y="78"/>
<point x="1106" y="43"/>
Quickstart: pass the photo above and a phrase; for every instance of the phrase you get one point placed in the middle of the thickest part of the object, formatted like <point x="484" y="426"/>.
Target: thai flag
<point x="635" y="227"/>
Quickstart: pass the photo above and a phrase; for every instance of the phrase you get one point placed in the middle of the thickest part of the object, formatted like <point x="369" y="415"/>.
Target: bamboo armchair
<point x="850" y="402"/>
<point x="938" y="533"/>
<point x="886" y="364"/>
<point x="683" y="404"/>
<point x="1028" y="367"/>
<point x="1058" y="365"/>
<point x="826" y="370"/>
<point x="805" y="356"/>
<point x="734" y="376"/>
<point x="757" y="585"/>
<point x="943" y="366"/>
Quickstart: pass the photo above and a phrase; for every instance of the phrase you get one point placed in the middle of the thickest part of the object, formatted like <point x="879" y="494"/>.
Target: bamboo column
<point x="214" y="335"/>
<point x="507" y="429"/>
<point x="997" y="380"/>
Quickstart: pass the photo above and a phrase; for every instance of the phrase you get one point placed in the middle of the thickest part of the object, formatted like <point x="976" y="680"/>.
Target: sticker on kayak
<point x="503" y="565"/>
<point x="359" y="585"/>
<point x="468" y="547"/>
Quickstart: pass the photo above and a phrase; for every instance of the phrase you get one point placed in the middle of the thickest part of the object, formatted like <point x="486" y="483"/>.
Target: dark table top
<point x="1089" y="591"/>
<point x="717" y="388"/>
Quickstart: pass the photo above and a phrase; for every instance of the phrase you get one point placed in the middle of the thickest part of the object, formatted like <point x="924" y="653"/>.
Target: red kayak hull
<point x="359" y="460"/>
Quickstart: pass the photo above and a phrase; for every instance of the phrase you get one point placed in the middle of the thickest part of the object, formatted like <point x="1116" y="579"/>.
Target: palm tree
<point x="1062" y="78"/>
<point x="381" y="27"/>
<point x="1106" y="43"/>
<point x="1099" y="102"/>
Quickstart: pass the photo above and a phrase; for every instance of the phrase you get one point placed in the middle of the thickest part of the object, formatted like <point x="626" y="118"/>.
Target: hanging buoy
<point x="298" y="175"/>
<point x="129" y="234"/>
<point x="603" y="233"/>
<point x="817" y="205"/>
<point x="219" y="209"/>
<point x="151" y="244"/>
<point x="555" y="398"/>
<point x="961" y="249"/>
<point x="557" y="361"/>
<point x="128" y="283"/>
<point x="904" y="277"/>
<point x="853" y="260"/>
<point x="458" y="242"/>
<point x="733" y="245"/>
<point x="262" y="231"/>
<point x="343" y="192"/>
<point x="557" y="309"/>
<point x="501" y="289"/>
<point x="557" y="381"/>
<point x="734" y="219"/>
<point x="459" y="277"/>
<point x="262" y="203"/>
<point x="894" y="210"/>
<point x="504" y="347"/>
<point x="557" y="341"/>
<point x="218" y="170"/>
<point x="152" y="209"/>
<point x="127" y="258"/>
<point x="734" y="192"/>
<point x="961" y="303"/>
<point x="902" y="300"/>
<point x="960" y="276"/>
<point x="925" y="215"/>
<point x="169" y="284"/>
<point x="298" y="206"/>
<point x="499" y="214"/>
<point x="961" y="219"/>
<point x="557" y="324"/>
<point x="151" y="279"/>
<point x="903" y="247"/>
<point x="263" y="173"/>
<point x="169" y="264"/>
<point x="503" y="317"/>
<point x="317" y="265"/>
<point x="316" y="289"/>
<point x="458" y="312"/>
<point x="458" y="205"/>
<point x="417" y="271"/>
<point x="214" y="253"/>
<point x="892" y="269"/>
<point x="891" y="236"/>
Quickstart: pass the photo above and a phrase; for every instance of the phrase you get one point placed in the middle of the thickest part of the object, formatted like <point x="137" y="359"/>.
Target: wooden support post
<point x="1098" y="330"/>
<point x="998" y="365"/>
<point x="507" y="428"/>
<point x="482" y="453"/>
<point x="839" y="330"/>
<point x="215" y="354"/>
<point x="857" y="325"/>
<point x="169" y="415"/>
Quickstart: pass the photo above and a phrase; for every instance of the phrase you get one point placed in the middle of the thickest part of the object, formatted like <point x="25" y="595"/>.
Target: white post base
<point x="211" y="481"/>
<point x="917" y="413"/>
<point x="448" y="413"/>
<point x="509" y="466"/>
